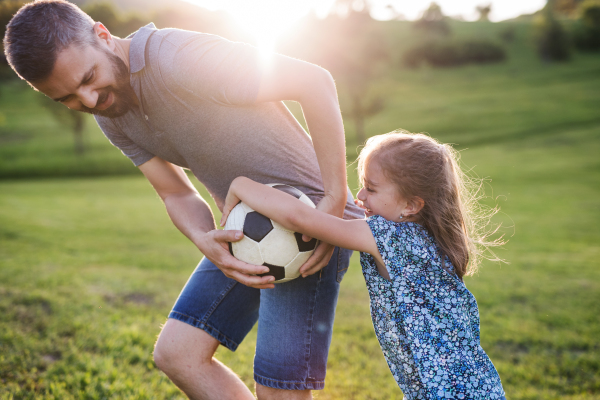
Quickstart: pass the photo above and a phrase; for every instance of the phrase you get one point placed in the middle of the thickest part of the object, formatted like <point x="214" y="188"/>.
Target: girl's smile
<point x="379" y="196"/>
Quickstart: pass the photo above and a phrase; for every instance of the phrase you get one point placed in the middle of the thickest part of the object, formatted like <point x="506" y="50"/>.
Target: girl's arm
<point x="298" y="217"/>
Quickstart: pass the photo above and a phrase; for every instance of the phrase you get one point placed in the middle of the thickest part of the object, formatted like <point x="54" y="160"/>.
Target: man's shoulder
<point x="103" y="121"/>
<point x="171" y="47"/>
<point x="159" y="45"/>
<point x="107" y="125"/>
<point x="180" y="37"/>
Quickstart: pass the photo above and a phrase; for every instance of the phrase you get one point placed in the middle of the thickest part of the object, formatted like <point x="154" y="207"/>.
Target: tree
<point x="367" y="51"/>
<point x="590" y="13"/>
<point x="587" y="34"/>
<point x="552" y="40"/>
<point x="566" y="7"/>
<point x="433" y="21"/>
<point x="484" y="12"/>
<point x="353" y="47"/>
<point x="355" y="53"/>
<point x="74" y="120"/>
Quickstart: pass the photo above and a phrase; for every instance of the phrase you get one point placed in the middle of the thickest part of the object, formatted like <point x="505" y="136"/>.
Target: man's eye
<point x="370" y="190"/>
<point x="89" y="79"/>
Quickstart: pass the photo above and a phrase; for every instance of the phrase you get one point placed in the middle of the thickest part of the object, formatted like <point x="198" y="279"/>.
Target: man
<point x="171" y="99"/>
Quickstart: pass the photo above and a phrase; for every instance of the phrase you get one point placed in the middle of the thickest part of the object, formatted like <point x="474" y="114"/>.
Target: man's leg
<point x="185" y="355"/>
<point x="267" y="393"/>
<point x="294" y="333"/>
<point x="211" y="310"/>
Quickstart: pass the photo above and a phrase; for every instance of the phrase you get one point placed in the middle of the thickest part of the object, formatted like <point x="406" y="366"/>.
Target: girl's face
<point x="379" y="196"/>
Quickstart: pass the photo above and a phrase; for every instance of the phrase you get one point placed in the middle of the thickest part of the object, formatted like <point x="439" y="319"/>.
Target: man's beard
<point x="123" y="94"/>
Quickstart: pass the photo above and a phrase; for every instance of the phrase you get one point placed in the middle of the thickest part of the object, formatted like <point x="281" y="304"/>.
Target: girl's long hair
<point x="422" y="167"/>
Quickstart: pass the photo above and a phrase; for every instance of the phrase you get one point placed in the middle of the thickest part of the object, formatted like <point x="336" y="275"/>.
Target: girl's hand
<point x="230" y="201"/>
<point x="359" y="204"/>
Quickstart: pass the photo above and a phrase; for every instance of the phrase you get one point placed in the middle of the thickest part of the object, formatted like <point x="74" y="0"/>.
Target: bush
<point x="481" y="52"/>
<point x="586" y="39"/>
<point x="433" y="21"/>
<point x="508" y="34"/>
<point x="551" y="39"/>
<point x="587" y="33"/>
<point x="454" y="53"/>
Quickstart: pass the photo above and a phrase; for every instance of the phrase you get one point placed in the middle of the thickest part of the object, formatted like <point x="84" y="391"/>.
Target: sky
<point x="267" y="19"/>
<point x="411" y="9"/>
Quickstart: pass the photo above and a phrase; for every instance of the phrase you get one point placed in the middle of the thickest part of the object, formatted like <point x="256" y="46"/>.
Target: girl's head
<point x="412" y="177"/>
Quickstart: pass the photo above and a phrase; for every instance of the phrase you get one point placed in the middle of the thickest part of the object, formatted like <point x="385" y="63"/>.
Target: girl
<point x="418" y="241"/>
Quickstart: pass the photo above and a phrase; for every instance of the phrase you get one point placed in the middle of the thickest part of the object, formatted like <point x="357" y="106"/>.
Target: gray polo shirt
<point x="198" y="109"/>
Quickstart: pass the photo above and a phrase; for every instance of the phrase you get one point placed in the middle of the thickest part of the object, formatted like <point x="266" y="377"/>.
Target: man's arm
<point x="313" y="87"/>
<point x="193" y="217"/>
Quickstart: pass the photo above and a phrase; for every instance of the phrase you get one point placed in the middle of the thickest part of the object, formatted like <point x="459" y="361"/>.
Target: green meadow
<point x="90" y="263"/>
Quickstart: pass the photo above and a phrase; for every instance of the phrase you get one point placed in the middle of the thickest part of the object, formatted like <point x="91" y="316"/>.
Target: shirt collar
<point x="137" y="47"/>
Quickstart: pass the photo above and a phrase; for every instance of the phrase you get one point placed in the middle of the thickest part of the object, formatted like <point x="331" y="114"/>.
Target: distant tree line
<point x="437" y="48"/>
<point x="582" y="31"/>
<point x="587" y="31"/>
<point x="353" y="46"/>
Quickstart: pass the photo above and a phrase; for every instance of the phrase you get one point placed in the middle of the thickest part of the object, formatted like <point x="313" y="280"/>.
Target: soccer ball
<point x="267" y="243"/>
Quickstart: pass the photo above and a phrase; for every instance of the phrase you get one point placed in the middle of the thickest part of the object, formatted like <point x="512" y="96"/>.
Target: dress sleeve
<point x="219" y="70"/>
<point x="393" y="240"/>
<point x="430" y="312"/>
<point x="135" y="153"/>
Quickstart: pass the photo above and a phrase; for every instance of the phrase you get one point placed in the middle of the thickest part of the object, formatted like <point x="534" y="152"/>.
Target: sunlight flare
<point x="266" y="20"/>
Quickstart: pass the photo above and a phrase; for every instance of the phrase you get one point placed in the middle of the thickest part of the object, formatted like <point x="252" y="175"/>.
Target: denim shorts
<point x="295" y="320"/>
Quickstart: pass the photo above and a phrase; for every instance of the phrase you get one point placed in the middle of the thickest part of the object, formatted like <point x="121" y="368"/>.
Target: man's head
<point x="60" y="51"/>
<point x="39" y="31"/>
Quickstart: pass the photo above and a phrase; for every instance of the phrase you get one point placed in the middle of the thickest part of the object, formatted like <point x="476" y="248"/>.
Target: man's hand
<point x="323" y="252"/>
<point x="214" y="245"/>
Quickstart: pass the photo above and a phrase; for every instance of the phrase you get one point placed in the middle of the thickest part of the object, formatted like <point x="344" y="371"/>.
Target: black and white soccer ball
<point x="267" y="243"/>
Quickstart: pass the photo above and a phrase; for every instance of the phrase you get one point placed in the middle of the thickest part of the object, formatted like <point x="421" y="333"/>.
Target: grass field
<point x="89" y="267"/>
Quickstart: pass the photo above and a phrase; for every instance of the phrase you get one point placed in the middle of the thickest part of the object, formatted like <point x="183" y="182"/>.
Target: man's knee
<point x="162" y="356"/>
<point x="182" y="347"/>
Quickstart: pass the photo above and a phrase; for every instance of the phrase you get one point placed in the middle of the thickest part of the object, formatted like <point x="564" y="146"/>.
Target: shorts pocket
<point x="343" y="262"/>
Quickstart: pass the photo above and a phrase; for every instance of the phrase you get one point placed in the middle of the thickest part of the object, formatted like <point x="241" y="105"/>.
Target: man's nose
<point x="88" y="97"/>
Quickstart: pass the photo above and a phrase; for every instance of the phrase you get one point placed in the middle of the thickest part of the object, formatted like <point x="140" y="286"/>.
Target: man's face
<point x="90" y="79"/>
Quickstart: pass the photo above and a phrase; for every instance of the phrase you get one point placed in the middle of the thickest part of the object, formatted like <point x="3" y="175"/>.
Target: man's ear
<point x="414" y="205"/>
<point x="102" y="33"/>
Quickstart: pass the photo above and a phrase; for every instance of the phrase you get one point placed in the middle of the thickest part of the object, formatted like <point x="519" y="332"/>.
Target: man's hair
<point x="39" y="31"/>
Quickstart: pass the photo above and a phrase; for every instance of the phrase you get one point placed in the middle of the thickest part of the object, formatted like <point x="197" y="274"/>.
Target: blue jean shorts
<point x="295" y="320"/>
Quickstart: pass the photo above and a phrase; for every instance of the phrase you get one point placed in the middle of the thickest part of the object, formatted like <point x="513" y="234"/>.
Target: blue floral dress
<point x="426" y="320"/>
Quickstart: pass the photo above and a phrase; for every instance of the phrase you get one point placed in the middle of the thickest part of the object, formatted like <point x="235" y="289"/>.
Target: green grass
<point x="89" y="267"/>
<point x="474" y="105"/>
